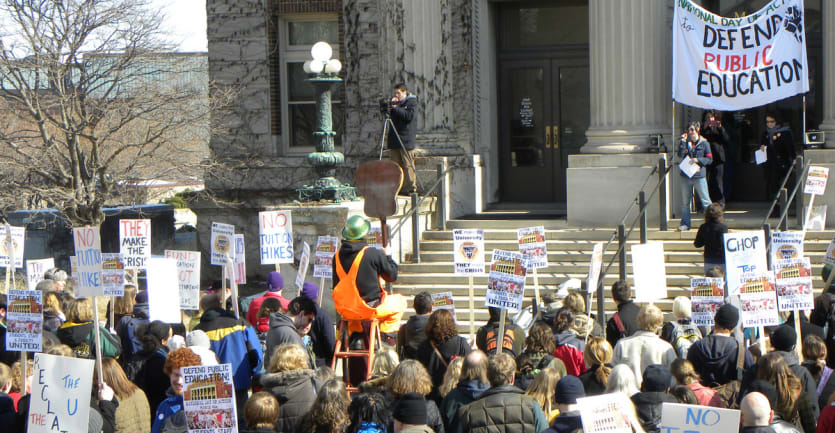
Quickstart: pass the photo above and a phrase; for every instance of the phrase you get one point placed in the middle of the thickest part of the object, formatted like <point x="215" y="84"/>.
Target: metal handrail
<point x="797" y="183"/>
<point x="783" y="185"/>
<point x="416" y="206"/>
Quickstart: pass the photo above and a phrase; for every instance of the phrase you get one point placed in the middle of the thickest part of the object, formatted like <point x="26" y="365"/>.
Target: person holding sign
<point x="694" y="151"/>
<point x="358" y="275"/>
<point x="172" y="405"/>
<point x="778" y="143"/>
<point x="77" y="332"/>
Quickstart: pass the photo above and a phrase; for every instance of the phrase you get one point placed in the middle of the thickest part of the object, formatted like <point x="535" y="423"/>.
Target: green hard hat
<point x="356" y="228"/>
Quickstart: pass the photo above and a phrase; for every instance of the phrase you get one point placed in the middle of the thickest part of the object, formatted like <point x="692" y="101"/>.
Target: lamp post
<point x="323" y="72"/>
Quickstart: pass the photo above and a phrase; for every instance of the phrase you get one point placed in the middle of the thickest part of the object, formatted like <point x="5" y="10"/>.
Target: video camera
<point x="385" y="106"/>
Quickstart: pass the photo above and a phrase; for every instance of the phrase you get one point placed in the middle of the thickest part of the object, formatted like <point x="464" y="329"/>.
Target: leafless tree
<point x="89" y="104"/>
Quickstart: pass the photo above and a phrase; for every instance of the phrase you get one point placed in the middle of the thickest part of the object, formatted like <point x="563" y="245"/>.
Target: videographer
<point x="402" y="111"/>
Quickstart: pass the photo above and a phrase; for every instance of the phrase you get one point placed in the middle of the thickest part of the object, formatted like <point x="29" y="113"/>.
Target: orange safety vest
<point x="346" y="295"/>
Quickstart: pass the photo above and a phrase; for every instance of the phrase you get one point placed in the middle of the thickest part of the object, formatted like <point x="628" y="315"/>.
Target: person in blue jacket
<point x="234" y="342"/>
<point x="173" y="402"/>
<point x="695" y="147"/>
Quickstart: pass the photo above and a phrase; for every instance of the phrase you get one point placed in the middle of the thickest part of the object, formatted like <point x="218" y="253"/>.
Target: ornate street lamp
<point x="323" y="72"/>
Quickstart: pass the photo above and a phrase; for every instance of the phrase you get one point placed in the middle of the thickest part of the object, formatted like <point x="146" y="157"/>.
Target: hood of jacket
<point x="715" y="350"/>
<point x="350" y="247"/>
<point x="288" y="382"/>
<point x="141" y="311"/>
<point x="790" y="358"/>
<point x="472" y="388"/>
<point x="72" y="334"/>
<point x="281" y="320"/>
<point x="214" y="314"/>
<point x="569" y="338"/>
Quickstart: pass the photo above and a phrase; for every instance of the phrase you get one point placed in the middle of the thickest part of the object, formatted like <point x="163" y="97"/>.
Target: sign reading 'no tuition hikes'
<point x="732" y="64"/>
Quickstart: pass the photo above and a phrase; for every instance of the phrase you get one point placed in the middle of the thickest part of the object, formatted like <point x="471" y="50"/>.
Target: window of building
<point x="298" y="97"/>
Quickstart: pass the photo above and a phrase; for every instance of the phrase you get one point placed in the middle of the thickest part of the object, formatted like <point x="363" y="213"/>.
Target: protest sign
<point x="794" y="284"/>
<point x="374" y="238"/>
<point x="18" y="236"/>
<point x="135" y="242"/>
<point x="607" y="413"/>
<point x="758" y="299"/>
<point x="648" y="272"/>
<point x="163" y="290"/>
<point x="240" y="259"/>
<point x="468" y="254"/>
<point x="532" y="243"/>
<point x="816" y="180"/>
<point x="87" y="243"/>
<point x="35" y="270"/>
<point x="443" y="300"/>
<point x="276" y="237"/>
<point x="691" y="418"/>
<point x="786" y="245"/>
<point x="744" y="252"/>
<point x="506" y="281"/>
<point x="326" y="247"/>
<point x="817" y="218"/>
<point x="706" y="296"/>
<point x="829" y="257"/>
<point x="24" y="320"/>
<point x="731" y="64"/>
<point x="223" y="242"/>
<point x="596" y="263"/>
<point x="60" y="399"/>
<point x="209" y="399"/>
<point x="188" y="277"/>
<point x="113" y="274"/>
<point x="304" y="261"/>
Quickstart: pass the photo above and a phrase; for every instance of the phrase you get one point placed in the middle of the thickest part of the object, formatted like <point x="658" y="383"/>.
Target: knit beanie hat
<point x="783" y="338"/>
<point x="96" y="421"/>
<point x="727" y="316"/>
<point x="657" y="378"/>
<point x="141" y="297"/>
<point x="275" y="282"/>
<point x="310" y="291"/>
<point x="410" y="409"/>
<point x="569" y="389"/>
<point x="198" y="338"/>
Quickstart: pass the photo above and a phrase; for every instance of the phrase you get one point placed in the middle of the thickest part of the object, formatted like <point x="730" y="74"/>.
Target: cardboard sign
<point x="757" y="296"/>
<point x="209" y="399"/>
<point x="532" y="243"/>
<point x="786" y="245"/>
<point x="794" y="284"/>
<point x="326" y="247"/>
<point x="706" y="295"/>
<point x="816" y="180"/>
<point x="304" y="261"/>
<point x="276" y="237"/>
<point x="188" y="277"/>
<point x="18" y="238"/>
<point x="113" y="274"/>
<point x="374" y="238"/>
<point x="60" y="399"/>
<point x="135" y="242"/>
<point x="744" y="252"/>
<point x="443" y="301"/>
<point x="506" y="281"/>
<point x="35" y="270"/>
<point x="87" y="243"/>
<point x="163" y="290"/>
<point x="697" y="419"/>
<point x="468" y="251"/>
<point x="596" y="263"/>
<point x="607" y="413"/>
<point x="240" y="259"/>
<point x="223" y="242"/>
<point x="24" y="321"/>
<point x="648" y="272"/>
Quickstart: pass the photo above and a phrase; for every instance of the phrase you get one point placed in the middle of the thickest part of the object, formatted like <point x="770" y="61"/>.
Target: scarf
<point x="771" y="132"/>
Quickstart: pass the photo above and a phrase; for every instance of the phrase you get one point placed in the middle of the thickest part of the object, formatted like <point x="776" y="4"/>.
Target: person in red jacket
<point x="275" y="283"/>
<point x="569" y="347"/>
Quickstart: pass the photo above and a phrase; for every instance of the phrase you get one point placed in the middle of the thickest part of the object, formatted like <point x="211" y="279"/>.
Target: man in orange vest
<point x="359" y="272"/>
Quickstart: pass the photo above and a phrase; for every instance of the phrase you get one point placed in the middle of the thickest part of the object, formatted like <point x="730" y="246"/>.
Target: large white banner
<point x="732" y="64"/>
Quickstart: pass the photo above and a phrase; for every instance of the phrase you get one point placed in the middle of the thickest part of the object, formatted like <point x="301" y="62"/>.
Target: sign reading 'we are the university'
<point x="732" y="64"/>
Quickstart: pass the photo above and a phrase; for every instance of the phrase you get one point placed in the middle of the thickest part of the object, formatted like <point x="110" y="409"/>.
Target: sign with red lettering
<point x="188" y="277"/>
<point x="135" y="242"/>
<point x="276" y="237"/>
<point x="88" y="258"/>
<point x="731" y="64"/>
<point x="240" y="259"/>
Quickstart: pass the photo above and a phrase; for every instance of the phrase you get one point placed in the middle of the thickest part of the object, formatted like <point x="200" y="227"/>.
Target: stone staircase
<point x="569" y="252"/>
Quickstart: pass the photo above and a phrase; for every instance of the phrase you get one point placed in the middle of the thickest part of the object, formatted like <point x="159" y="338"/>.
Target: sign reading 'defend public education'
<point x="24" y="320"/>
<point x="60" y="399"/>
<point x="209" y="399"/>
<point x="707" y="295"/>
<point x="326" y="247"/>
<point x="731" y="64"/>
<point x="532" y="243"/>
<point x="506" y="281"/>
<point x="276" y="237"/>
<point x="188" y="276"/>
<point x="135" y="242"/>
<point x="88" y="258"/>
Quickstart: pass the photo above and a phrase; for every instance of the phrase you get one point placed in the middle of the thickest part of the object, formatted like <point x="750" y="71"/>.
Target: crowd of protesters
<point x="433" y="380"/>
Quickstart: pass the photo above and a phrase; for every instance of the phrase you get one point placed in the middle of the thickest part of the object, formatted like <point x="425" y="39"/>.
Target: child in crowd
<point x="710" y="236"/>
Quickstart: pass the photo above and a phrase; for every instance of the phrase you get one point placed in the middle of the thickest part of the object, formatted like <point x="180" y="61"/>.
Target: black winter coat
<point x="374" y="264"/>
<point x="282" y="330"/>
<point x="323" y="337"/>
<point x="455" y="346"/>
<point x="590" y="383"/>
<point x="295" y="391"/>
<point x="648" y="405"/>
<point x="714" y="357"/>
<point x="628" y="313"/>
<point x="433" y="416"/>
<point x="410" y="336"/>
<point x="403" y="115"/>
<point x="503" y="409"/>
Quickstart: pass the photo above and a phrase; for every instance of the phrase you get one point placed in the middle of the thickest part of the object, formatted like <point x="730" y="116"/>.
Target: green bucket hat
<point x="356" y="228"/>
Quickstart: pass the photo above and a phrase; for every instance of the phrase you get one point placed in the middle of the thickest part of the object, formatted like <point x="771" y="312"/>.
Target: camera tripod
<point x="388" y="123"/>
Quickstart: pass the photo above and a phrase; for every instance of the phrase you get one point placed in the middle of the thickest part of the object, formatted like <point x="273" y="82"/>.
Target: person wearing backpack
<point x="681" y="333"/>
<point x="146" y="367"/>
<point x="624" y="322"/>
<point x="126" y="328"/>
<point x="715" y="356"/>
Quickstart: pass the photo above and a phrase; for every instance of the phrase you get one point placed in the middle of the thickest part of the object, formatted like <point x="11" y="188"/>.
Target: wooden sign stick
<point x="97" y="332"/>
<point x="500" y="335"/>
<point x="321" y="289"/>
<point x="472" y="308"/>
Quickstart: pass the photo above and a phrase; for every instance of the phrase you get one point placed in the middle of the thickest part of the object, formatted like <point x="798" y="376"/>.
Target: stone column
<point x="828" y="124"/>
<point x="630" y="58"/>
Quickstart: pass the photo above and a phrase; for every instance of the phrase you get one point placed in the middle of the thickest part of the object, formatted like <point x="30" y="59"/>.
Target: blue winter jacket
<point x="699" y="151"/>
<point x="168" y="407"/>
<point x="234" y="342"/>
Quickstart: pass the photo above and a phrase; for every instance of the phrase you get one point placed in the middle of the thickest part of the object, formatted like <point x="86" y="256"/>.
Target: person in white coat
<point x="645" y="347"/>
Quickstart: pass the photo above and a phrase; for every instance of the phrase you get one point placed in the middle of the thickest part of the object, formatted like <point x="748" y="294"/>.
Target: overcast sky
<point x="186" y="20"/>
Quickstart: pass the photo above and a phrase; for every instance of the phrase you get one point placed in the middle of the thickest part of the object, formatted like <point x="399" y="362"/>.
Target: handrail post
<point x="662" y="194"/>
<point x="767" y="230"/>
<point x="601" y="301"/>
<point x="441" y="203"/>
<point x="798" y="202"/>
<point x="783" y="199"/>
<point x="415" y="229"/>
<point x="642" y="208"/>
<point x="622" y="251"/>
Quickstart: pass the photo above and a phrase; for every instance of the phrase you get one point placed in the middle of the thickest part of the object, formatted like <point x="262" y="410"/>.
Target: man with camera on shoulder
<point x="401" y="141"/>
